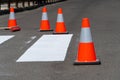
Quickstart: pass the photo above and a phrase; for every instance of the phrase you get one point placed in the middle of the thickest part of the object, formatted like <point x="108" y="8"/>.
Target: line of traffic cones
<point x="86" y="51"/>
<point x="60" y="25"/>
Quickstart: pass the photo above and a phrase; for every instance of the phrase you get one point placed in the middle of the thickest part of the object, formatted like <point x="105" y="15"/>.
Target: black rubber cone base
<point x="60" y="33"/>
<point x="45" y="30"/>
<point x="97" y="62"/>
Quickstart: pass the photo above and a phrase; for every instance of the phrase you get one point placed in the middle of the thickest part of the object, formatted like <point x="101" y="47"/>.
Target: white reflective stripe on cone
<point x="85" y="35"/>
<point x="12" y="15"/>
<point x="60" y="18"/>
<point x="44" y="16"/>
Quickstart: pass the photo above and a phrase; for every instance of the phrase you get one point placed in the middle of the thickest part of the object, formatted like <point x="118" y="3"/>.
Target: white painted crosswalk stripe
<point x="47" y="48"/>
<point x="4" y="38"/>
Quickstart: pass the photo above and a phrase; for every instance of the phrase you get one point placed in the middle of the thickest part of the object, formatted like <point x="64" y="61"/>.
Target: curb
<point x="3" y="12"/>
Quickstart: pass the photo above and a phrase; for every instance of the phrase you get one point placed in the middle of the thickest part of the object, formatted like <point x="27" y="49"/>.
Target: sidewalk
<point x="26" y="6"/>
<point x="5" y="6"/>
<point x="5" y="9"/>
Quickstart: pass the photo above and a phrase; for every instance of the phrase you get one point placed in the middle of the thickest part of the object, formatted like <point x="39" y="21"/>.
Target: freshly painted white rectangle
<point x="4" y="38"/>
<point x="47" y="48"/>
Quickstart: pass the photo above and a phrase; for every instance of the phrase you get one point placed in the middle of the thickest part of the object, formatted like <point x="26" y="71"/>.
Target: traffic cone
<point x="12" y="23"/>
<point x="86" y="52"/>
<point x="60" y="25"/>
<point x="44" y="23"/>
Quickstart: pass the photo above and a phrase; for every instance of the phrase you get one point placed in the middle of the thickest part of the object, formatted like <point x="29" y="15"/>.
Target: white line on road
<point x="47" y="48"/>
<point x="31" y="38"/>
<point x="4" y="38"/>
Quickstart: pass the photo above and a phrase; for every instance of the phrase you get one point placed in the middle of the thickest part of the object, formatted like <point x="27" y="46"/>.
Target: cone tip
<point x="59" y="10"/>
<point x="11" y="9"/>
<point x="85" y="23"/>
<point x="44" y="9"/>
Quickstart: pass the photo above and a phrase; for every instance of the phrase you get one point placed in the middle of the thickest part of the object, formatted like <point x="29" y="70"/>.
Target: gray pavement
<point x="105" y="21"/>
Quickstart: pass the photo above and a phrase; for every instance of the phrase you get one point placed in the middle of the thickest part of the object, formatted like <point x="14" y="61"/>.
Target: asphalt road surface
<point x="104" y="17"/>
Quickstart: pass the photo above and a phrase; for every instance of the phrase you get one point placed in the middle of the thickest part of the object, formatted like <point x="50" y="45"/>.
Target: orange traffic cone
<point x="60" y="25"/>
<point x="12" y="23"/>
<point x="44" y="23"/>
<point x="86" y="52"/>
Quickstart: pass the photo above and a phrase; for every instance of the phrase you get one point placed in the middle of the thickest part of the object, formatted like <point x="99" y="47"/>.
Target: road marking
<point x="4" y="38"/>
<point x="47" y="48"/>
<point x="31" y="38"/>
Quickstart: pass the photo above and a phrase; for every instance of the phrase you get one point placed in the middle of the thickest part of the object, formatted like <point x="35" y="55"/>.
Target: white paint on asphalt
<point x="47" y="48"/>
<point x="31" y="38"/>
<point x="4" y="38"/>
